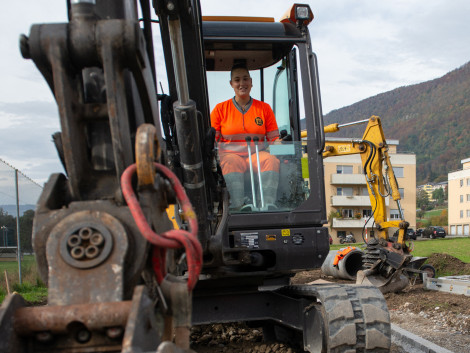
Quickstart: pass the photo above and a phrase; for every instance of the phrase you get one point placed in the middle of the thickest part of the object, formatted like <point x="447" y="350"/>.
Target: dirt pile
<point x="448" y="265"/>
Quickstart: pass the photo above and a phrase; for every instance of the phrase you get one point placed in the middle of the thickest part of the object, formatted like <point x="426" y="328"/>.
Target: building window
<point x="341" y="233"/>
<point x="461" y="213"/>
<point x="461" y="198"/>
<point x="468" y="213"/>
<point x="344" y="169"/>
<point x="461" y="182"/>
<point x="347" y="213"/>
<point x="366" y="213"/>
<point x="398" y="171"/>
<point x="394" y="214"/>
<point x="468" y="197"/>
<point x="364" y="192"/>
<point x="344" y="191"/>
<point x="402" y="192"/>
<point x="468" y="181"/>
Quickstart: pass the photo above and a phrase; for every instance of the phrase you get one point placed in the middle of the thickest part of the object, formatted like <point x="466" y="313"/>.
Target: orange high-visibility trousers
<point x="234" y="163"/>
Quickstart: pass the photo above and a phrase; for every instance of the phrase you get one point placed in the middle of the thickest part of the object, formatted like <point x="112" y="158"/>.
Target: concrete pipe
<point x="350" y="262"/>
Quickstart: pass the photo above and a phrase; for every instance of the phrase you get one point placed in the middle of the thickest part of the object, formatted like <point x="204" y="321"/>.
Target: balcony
<point x="337" y="201"/>
<point x="351" y="222"/>
<point x="348" y="179"/>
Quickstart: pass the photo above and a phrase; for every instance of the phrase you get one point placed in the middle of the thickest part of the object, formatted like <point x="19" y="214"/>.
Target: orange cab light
<point x="237" y="19"/>
<point x="298" y="13"/>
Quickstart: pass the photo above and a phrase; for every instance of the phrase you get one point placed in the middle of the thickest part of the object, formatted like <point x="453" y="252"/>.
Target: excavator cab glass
<point x="270" y="84"/>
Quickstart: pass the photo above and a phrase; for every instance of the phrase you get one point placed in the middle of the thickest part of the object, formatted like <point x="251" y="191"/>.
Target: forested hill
<point x="430" y="119"/>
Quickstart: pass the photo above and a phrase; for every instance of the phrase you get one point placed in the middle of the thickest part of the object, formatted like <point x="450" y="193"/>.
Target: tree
<point x="420" y="214"/>
<point x="422" y="200"/>
<point x="9" y="222"/>
<point x="438" y="195"/>
<point x="26" y="231"/>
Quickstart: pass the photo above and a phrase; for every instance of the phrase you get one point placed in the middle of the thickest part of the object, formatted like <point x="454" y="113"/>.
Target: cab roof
<point x="254" y="43"/>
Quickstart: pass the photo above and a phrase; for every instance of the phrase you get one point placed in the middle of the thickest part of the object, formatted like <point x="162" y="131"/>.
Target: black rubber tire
<point x="354" y="240"/>
<point x="355" y="318"/>
<point x="431" y="236"/>
<point x="429" y="269"/>
<point x="341" y="240"/>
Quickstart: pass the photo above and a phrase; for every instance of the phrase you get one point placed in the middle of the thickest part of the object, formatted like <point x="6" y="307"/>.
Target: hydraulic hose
<point x="174" y="238"/>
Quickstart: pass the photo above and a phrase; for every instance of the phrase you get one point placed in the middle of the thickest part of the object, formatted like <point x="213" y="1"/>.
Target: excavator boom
<point x="384" y="258"/>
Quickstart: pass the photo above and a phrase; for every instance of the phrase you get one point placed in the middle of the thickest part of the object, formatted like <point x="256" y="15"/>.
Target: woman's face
<point x="241" y="83"/>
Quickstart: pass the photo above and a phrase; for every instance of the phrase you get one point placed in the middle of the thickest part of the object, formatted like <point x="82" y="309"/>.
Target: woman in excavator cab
<point x="240" y="123"/>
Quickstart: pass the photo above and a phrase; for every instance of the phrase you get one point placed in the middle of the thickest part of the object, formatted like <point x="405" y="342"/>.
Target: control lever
<point x="256" y="140"/>
<point x="253" y="193"/>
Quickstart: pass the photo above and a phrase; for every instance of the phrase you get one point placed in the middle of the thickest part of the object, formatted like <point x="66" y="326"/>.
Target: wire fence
<point x="18" y="197"/>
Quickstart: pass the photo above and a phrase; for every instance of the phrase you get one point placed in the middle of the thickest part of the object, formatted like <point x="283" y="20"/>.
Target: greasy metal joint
<point x="329" y="148"/>
<point x="83" y="336"/>
<point x="87" y="244"/>
<point x="45" y="321"/>
<point x="181" y="309"/>
<point x="44" y="337"/>
<point x="114" y="332"/>
<point x="404" y="225"/>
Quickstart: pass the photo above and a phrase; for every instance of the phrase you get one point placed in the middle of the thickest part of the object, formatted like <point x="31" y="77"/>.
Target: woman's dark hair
<point x="238" y="66"/>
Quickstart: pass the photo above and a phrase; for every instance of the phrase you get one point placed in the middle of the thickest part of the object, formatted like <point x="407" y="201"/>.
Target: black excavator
<point x="137" y="241"/>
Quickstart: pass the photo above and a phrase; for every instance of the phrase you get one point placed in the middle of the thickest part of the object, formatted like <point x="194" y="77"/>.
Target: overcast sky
<point x="364" y="47"/>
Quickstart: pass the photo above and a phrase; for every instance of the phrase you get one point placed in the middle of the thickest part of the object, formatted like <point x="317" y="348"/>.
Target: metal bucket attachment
<point x="395" y="283"/>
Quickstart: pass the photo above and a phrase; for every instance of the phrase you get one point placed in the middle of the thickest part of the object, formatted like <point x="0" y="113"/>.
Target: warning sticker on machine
<point x="344" y="149"/>
<point x="285" y="232"/>
<point x="249" y="240"/>
<point x="270" y="237"/>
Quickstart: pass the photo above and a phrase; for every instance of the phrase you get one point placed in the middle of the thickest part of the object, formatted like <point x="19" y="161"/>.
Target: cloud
<point x="26" y="129"/>
<point x="363" y="47"/>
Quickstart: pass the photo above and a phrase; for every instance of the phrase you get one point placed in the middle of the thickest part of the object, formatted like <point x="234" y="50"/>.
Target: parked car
<point x="419" y="232"/>
<point x="434" y="232"/>
<point x="410" y="234"/>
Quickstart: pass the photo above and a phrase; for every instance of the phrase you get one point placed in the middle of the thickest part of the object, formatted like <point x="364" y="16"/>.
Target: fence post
<point x="18" y="249"/>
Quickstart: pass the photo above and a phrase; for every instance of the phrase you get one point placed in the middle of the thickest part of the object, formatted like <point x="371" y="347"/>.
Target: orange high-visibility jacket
<point x="233" y="125"/>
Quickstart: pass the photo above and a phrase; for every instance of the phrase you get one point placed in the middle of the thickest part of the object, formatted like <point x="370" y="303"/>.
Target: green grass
<point x="432" y="213"/>
<point x="32" y="288"/>
<point x="456" y="247"/>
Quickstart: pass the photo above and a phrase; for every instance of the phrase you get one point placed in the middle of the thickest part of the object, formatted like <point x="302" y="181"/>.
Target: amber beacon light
<point x="300" y="14"/>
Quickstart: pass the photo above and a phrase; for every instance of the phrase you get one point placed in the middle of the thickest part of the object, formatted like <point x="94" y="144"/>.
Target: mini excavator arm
<point x="373" y="150"/>
<point x="384" y="258"/>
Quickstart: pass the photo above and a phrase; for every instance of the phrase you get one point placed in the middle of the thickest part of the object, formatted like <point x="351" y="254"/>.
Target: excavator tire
<point x="355" y="319"/>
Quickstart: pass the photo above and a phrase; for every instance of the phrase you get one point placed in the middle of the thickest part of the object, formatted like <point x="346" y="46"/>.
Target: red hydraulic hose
<point x="174" y="238"/>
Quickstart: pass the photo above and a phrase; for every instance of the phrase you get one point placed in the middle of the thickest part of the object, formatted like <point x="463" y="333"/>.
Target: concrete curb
<point x="412" y="343"/>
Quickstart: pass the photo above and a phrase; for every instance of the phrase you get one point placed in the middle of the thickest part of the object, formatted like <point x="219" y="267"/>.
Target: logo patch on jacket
<point x="258" y="121"/>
